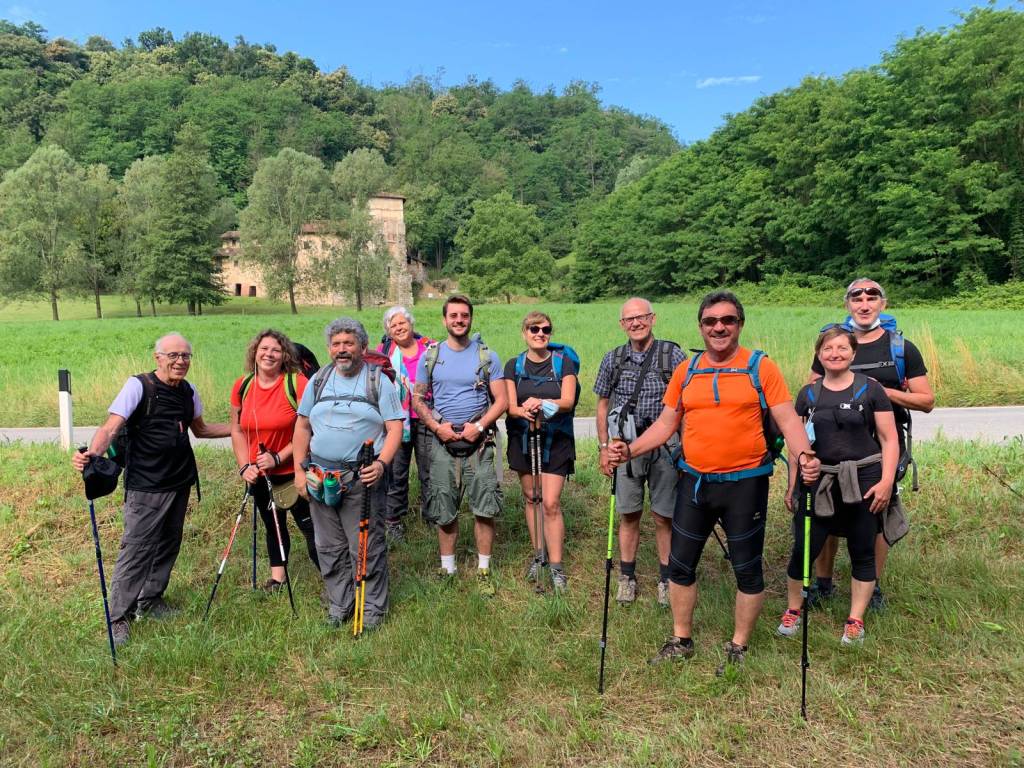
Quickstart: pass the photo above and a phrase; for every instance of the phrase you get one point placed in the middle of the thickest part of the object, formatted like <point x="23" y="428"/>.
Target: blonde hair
<point x="535" y="317"/>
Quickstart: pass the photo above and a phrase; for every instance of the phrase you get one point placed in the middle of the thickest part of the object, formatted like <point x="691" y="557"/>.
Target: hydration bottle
<point x="332" y="491"/>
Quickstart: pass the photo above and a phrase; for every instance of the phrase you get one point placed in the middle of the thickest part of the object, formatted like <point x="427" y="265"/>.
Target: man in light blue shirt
<point x="464" y="378"/>
<point x="346" y="404"/>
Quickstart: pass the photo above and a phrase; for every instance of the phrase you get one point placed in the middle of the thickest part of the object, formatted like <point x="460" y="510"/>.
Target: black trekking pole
<point x="805" y="513"/>
<point x="607" y="580"/>
<point x="103" y="579"/>
<point x="538" y="506"/>
<point x="227" y="551"/>
<point x="254" y="544"/>
<point x="277" y="529"/>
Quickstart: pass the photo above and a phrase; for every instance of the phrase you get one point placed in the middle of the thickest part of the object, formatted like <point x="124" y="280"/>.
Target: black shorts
<point x="561" y="455"/>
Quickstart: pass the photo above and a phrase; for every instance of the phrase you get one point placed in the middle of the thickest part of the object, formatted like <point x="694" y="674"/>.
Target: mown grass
<point x="974" y="358"/>
<point x="453" y="680"/>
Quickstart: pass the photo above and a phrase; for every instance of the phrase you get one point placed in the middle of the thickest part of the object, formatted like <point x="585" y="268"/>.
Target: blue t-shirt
<point x="340" y="427"/>
<point x="456" y="396"/>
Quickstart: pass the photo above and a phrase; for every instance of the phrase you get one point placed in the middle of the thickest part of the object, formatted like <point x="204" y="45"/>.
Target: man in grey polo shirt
<point x="158" y="408"/>
<point x="630" y="386"/>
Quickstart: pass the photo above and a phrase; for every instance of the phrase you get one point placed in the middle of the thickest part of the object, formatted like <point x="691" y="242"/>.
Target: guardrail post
<point x="67" y="423"/>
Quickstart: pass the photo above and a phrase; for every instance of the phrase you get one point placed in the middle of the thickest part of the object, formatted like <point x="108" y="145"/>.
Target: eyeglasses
<point x="544" y="329"/>
<point x="726" y="320"/>
<point x="856" y="293"/>
<point x="172" y="356"/>
<point x="637" y="318"/>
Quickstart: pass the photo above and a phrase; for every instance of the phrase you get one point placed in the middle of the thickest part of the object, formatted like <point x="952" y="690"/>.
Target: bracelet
<point x="244" y="467"/>
<point x="277" y="458"/>
<point x="383" y="466"/>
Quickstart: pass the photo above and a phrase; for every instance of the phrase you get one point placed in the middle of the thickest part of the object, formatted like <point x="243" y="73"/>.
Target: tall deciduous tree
<point x="355" y="260"/>
<point x="500" y="251"/>
<point x="139" y="198"/>
<point x="289" y="190"/>
<point x="40" y="204"/>
<point x="97" y="227"/>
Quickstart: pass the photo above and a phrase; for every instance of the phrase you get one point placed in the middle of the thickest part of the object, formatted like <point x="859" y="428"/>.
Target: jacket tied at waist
<point x="845" y="472"/>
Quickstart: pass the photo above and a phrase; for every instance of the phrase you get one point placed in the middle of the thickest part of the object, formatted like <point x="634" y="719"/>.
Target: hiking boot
<point x="270" y="586"/>
<point x="447" y="578"/>
<point x="878" y="601"/>
<point x="675" y="648"/>
<point x="157" y="608"/>
<point x="560" y="582"/>
<point x="120" y="629"/>
<point x="534" y="571"/>
<point x="394" y="531"/>
<point x="789" y="624"/>
<point x="734" y="656"/>
<point x="484" y="583"/>
<point x="626" y="594"/>
<point x="853" y="632"/>
<point x="817" y="597"/>
<point x="663" y="594"/>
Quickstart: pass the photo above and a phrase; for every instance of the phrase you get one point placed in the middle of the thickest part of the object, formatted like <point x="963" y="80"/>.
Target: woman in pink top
<point x="405" y="347"/>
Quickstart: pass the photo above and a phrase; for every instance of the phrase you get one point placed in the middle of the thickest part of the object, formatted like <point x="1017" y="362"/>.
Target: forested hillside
<point x="912" y="170"/>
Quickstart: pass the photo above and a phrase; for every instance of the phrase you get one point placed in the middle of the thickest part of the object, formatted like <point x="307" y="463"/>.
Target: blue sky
<point x="686" y="63"/>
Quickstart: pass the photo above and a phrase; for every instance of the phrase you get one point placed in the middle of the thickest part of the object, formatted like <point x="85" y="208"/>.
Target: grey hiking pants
<point x="336" y="530"/>
<point x="153" y="524"/>
<point x="398" y="485"/>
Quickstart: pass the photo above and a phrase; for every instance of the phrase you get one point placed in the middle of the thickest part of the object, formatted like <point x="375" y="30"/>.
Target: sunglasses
<point x="726" y="320"/>
<point x="856" y="293"/>
<point x="545" y="329"/>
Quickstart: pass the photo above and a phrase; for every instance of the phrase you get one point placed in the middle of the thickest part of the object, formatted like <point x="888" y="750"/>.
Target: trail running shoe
<point x="817" y="597"/>
<point x="734" y="656"/>
<point x="534" y="571"/>
<point x="272" y="585"/>
<point x="663" y="594"/>
<point x="878" y="601"/>
<point x="121" y="629"/>
<point x="789" y="624"/>
<point x="853" y="632"/>
<point x="560" y="582"/>
<point x="447" y="578"/>
<point x="157" y="608"/>
<point x="484" y="583"/>
<point x="675" y="648"/>
<point x="626" y="594"/>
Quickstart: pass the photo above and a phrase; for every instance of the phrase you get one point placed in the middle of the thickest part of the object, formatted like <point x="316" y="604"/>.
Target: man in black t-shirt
<point x="908" y="389"/>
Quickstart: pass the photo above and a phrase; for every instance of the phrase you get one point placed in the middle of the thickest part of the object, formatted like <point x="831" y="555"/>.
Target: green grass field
<point x="974" y="357"/>
<point x="454" y="680"/>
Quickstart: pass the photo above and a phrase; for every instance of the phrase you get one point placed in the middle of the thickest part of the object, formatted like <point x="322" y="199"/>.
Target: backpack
<point x="774" y="440"/>
<point x="375" y="362"/>
<point x="290" y="391"/>
<point x="663" y="354"/>
<point x="483" y="371"/>
<point x="387" y="343"/>
<point x="562" y="422"/>
<point x="118" y="449"/>
<point x="308" y="364"/>
<point x="860" y="386"/>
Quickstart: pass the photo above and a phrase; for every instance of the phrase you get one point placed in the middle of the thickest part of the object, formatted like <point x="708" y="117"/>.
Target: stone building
<point x="388" y="211"/>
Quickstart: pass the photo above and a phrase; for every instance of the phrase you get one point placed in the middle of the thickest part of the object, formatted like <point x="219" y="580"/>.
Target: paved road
<point x="993" y="425"/>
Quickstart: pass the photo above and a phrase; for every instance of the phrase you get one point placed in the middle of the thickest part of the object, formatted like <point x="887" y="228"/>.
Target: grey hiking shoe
<point x="484" y="583"/>
<point x="878" y="602"/>
<point x="120" y="629"/>
<point x="674" y="649"/>
<point x="734" y="656"/>
<point x="394" y="531"/>
<point x="663" y="594"/>
<point x="560" y="582"/>
<point x="157" y="608"/>
<point x="626" y="594"/>
<point x="534" y="571"/>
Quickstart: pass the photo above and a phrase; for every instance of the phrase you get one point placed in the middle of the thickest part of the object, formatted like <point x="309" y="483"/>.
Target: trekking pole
<point x="725" y="552"/>
<point x="607" y="580"/>
<point x="805" y="513"/>
<point x="277" y="529"/>
<point x="227" y="551"/>
<point x="254" y="544"/>
<point x="103" y="579"/>
<point x="365" y="460"/>
<point x="538" y="505"/>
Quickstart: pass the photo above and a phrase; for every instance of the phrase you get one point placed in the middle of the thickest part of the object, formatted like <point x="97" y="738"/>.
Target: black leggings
<point x="854" y="521"/>
<point x="300" y="513"/>
<point x="742" y="507"/>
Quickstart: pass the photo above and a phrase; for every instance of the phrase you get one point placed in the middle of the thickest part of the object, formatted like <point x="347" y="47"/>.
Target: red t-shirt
<point x="267" y="417"/>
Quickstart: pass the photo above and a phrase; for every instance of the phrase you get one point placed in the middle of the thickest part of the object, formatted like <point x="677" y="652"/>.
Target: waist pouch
<point x="329" y="486"/>
<point x="460" y="449"/>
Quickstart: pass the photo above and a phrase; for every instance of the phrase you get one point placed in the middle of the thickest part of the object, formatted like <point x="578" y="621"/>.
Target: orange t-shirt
<point x="267" y="417"/>
<point x="726" y="436"/>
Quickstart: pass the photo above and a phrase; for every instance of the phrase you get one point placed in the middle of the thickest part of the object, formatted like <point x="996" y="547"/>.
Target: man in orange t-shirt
<point x="726" y="464"/>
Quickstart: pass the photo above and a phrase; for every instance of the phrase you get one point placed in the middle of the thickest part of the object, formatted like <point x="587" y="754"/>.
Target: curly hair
<point x="289" y="357"/>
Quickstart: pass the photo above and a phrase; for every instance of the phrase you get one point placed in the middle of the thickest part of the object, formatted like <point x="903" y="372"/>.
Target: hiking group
<point x="334" y="447"/>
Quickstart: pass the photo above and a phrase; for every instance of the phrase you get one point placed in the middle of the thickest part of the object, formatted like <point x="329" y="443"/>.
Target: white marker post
<point x="67" y="423"/>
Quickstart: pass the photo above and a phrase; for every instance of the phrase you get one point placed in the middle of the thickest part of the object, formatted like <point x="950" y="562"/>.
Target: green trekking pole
<point x="607" y="579"/>
<point x="805" y="514"/>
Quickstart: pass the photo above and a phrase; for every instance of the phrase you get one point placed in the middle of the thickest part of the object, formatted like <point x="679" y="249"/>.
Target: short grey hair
<point x="392" y="313"/>
<point x="860" y="280"/>
<point x="159" y="346"/>
<point x="646" y="302"/>
<point x="347" y="325"/>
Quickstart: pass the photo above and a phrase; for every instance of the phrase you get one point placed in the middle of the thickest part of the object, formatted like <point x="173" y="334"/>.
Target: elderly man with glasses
<point x="630" y="386"/>
<point x="156" y="410"/>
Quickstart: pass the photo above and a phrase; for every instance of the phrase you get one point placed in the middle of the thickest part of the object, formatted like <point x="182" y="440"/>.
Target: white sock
<point x="448" y="563"/>
<point x="485" y="561"/>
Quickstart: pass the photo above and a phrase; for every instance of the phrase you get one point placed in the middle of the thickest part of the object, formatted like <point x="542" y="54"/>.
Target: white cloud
<point x="563" y="49"/>
<point x="711" y="82"/>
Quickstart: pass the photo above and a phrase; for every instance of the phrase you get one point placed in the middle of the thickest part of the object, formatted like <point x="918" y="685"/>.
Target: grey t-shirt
<point x="456" y="394"/>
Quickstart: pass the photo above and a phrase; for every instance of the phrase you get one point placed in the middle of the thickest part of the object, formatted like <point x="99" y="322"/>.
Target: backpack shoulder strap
<point x="145" y="407"/>
<point x="814" y="393"/>
<point x="246" y="385"/>
<point x="665" y="350"/>
<point x="754" y="371"/>
<point x="520" y="366"/>
<point x="373" y="385"/>
<point x="190" y="402"/>
<point x="320" y="381"/>
<point x="290" y="390"/>
<point x="860" y="386"/>
<point x="617" y="362"/>
<point x="557" y="361"/>
<point x="430" y="363"/>
<point x="898" y="353"/>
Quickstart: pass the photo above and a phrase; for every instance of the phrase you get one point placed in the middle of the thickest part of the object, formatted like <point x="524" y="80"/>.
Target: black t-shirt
<point x="546" y="387"/>
<point x="846" y="433"/>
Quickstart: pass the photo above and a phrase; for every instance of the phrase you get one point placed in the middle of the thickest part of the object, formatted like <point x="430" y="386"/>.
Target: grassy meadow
<point x="454" y="680"/>
<point x="974" y="357"/>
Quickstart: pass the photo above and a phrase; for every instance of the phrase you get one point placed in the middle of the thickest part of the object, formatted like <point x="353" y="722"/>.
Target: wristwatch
<point x="479" y="426"/>
<point x="602" y="446"/>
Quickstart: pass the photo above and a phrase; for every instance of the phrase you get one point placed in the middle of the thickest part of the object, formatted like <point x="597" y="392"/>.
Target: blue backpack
<point x="562" y="422"/>
<point x="896" y="347"/>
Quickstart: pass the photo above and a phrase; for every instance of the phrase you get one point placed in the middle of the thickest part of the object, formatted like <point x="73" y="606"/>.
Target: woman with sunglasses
<point x="537" y="395"/>
<point x="851" y="427"/>
<point x="865" y="302"/>
<point x="263" y="405"/>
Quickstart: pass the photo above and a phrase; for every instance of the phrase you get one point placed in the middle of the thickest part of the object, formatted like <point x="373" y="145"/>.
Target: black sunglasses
<point x="855" y="293"/>
<point x="726" y="320"/>
<point x="545" y="329"/>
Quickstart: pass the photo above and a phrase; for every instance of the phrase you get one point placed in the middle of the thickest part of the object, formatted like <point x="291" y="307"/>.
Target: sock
<point x="484" y="562"/>
<point x="555" y="567"/>
<point x="448" y="563"/>
<point x="628" y="568"/>
<point x="824" y="583"/>
<point x="663" y="571"/>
